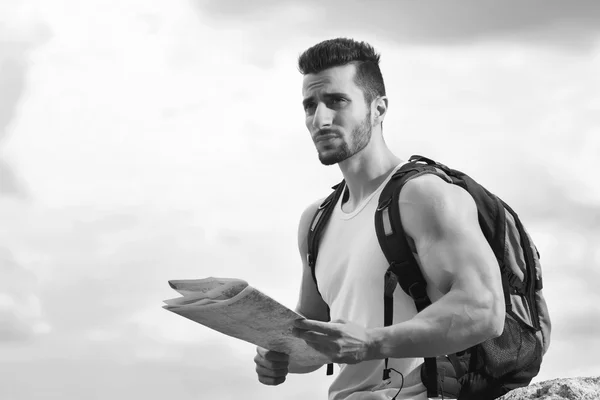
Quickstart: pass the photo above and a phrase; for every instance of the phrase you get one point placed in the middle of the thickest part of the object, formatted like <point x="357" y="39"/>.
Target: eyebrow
<point x="326" y="95"/>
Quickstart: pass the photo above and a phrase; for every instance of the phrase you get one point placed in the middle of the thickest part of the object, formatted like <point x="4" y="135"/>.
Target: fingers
<point x="309" y="336"/>
<point x="270" y="355"/>
<point x="271" y="381"/>
<point x="316" y="341"/>
<point x="327" y="328"/>
<point x="317" y="346"/>
<point x="271" y="377"/>
<point x="275" y="365"/>
<point x="268" y="374"/>
<point x="271" y="366"/>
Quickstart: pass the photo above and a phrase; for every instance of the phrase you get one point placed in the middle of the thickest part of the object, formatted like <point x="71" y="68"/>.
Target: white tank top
<point x="350" y="273"/>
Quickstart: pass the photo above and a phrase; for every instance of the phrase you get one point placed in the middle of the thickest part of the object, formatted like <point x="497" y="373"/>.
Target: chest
<point x="350" y="264"/>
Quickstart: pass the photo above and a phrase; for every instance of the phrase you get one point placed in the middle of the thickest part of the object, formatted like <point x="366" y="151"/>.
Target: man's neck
<point x="366" y="171"/>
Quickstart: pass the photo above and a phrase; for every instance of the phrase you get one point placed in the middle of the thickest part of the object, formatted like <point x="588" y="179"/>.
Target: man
<point x="345" y="105"/>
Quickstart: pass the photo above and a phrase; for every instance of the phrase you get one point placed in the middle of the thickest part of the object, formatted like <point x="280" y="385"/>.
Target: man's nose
<point x="323" y="117"/>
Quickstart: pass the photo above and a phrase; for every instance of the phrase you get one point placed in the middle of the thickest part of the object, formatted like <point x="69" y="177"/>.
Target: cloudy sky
<point x="142" y="141"/>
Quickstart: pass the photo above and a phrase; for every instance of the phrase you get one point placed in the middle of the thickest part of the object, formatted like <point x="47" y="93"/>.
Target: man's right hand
<point x="271" y="366"/>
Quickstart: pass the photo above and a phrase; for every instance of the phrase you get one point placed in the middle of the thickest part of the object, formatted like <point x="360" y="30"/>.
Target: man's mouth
<point x="325" y="137"/>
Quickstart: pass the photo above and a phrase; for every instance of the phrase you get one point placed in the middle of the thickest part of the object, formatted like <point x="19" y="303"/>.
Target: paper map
<point x="233" y="307"/>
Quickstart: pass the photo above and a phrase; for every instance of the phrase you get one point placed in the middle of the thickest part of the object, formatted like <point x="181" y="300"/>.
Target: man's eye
<point x="309" y="106"/>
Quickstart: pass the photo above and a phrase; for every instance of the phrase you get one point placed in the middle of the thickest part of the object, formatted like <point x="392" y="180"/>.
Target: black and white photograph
<point x="341" y="200"/>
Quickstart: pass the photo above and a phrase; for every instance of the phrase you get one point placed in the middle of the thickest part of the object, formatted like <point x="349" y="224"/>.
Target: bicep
<point x="442" y="220"/>
<point x="310" y="303"/>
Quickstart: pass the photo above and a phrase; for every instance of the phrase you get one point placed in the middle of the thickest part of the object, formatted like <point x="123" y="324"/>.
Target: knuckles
<point x="270" y="372"/>
<point x="265" y="380"/>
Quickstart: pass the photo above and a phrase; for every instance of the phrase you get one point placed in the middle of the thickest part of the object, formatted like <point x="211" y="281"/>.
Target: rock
<point x="558" y="389"/>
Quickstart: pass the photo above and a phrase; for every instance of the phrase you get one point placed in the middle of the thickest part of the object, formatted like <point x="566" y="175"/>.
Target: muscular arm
<point x="310" y="303"/>
<point x="455" y="257"/>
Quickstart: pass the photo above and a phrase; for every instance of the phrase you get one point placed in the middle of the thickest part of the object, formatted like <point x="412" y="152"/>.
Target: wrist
<point x="375" y="350"/>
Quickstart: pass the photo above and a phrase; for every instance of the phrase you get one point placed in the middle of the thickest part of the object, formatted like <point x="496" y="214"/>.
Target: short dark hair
<point x="341" y="51"/>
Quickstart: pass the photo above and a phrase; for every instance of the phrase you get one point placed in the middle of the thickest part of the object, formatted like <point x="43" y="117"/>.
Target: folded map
<point x="233" y="307"/>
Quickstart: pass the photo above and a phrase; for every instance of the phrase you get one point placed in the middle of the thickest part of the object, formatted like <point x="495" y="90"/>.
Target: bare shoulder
<point x="428" y="204"/>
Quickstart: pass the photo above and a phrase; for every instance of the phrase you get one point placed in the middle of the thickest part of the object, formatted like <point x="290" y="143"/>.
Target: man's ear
<point x="380" y="106"/>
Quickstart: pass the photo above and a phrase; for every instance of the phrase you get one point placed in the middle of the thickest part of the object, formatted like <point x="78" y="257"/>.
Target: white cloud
<point x="21" y="31"/>
<point x="21" y="313"/>
<point x="543" y="22"/>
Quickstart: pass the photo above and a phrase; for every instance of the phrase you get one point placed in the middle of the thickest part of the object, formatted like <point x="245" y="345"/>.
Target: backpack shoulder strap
<point x="394" y="243"/>
<point x="318" y="223"/>
<point x="315" y="231"/>
<point x="391" y="235"/>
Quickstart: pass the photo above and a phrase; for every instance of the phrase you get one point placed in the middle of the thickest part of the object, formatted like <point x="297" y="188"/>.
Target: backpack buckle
<point x="514" y="280"/>
<point x="324" y="204"/>
<point x="384" y="204"/>
<point x="391" y="280"/>
<point x="516" y="284"/>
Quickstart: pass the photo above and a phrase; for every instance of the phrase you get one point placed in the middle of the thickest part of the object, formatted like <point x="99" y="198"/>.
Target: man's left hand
<point x="343" y="342"/>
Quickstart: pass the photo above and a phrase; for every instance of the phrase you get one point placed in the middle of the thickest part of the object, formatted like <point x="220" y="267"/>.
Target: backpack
<point x="494" y="367"/>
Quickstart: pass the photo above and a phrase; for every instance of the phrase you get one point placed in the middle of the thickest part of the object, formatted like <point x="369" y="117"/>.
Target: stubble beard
<point x="359" y="139"/>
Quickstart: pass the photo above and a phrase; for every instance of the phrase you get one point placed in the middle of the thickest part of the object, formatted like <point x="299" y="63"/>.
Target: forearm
<point x="453" y="323"/>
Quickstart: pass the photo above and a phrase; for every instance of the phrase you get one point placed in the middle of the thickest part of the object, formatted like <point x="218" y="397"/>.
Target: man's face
<point x="337" y="116"/>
